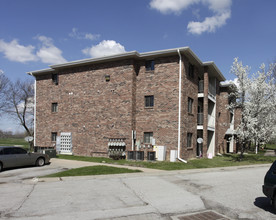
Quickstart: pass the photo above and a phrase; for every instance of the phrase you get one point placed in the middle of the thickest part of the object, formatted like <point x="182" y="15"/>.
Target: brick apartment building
<point x="142" y="105"/>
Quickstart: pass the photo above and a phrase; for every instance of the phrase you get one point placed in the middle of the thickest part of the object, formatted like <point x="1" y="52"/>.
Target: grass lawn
<point x="93" y="170"/>
<point x="14" y="141"/>
<point x="270" y="146"/>
<point x="218" y="161"/>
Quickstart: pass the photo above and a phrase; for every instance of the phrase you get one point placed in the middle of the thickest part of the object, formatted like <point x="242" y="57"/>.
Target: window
<point x="19" y="151"/>
<point x="190" y="105"/>
<point x="8" y="151"/>
<point x="54" y="136"/>
<point x="149" y="101"/>
<point x="189" y="139"/>
<point x="55" y="79"/>
<point x="231" y="118"/>
<point x="54" y="107"/>
<point x="191" y="71"/>
<point x="147" y="137"/>
<point x="149" y="65"/>
<point x="14" y="150"/>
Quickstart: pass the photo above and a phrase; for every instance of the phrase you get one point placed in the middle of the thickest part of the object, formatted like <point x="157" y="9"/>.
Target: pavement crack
<point x="26" y="198"/>
<point x="134" y="192"/>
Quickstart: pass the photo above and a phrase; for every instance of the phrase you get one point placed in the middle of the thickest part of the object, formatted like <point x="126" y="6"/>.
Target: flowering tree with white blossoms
<point x="256" y="97"/>
<point x="262" y="105"/>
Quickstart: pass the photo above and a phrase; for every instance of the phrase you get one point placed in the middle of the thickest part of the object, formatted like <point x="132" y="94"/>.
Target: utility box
<point x="51" y="153"/>
<point x="161" y="153"/>
<point x="173" y="155"/>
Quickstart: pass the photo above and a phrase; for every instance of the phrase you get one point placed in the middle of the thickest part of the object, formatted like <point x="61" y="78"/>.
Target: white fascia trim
<point x="33" y="73"/>
<point x="87" y="61"/>
<point x="132" y="54"/>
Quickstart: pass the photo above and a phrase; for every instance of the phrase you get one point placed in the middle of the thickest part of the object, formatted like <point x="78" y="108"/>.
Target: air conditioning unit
<point x="151" y="155"/>
<point x="131" y="155"/>
<point x="139" y="155"/>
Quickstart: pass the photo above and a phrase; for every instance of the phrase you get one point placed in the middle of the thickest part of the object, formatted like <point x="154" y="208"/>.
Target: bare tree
<point x="4" y="83"/>
<point x="20" y="104"/>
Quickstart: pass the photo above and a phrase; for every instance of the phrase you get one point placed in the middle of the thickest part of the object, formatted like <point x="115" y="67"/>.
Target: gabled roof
<point x="212" y="68"/>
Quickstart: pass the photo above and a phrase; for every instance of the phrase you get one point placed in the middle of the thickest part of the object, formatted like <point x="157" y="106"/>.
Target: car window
<point x="14" y="150"/>
<point x="19" y="151"/>
<point x="8" y="151"/>
<point x="1" y="152"/>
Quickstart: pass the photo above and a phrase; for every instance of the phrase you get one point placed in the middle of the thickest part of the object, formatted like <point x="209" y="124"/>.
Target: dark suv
<point x="269" y="187"/>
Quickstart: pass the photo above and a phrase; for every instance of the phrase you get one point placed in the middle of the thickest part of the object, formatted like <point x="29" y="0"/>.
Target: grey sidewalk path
<point x="69" y="164"/>
<point x="76" y="164"/>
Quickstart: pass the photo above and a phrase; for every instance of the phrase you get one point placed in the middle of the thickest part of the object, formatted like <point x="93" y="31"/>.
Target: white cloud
<point x="13" y="51"/>
<point x="80" y="35"/>
<point x="49" y="53"/>
<point x="210" y="24"/>
<point x="220" y="8"/>
<point x="218" y="5"/>
<point x="171" y="6"/>
<point x="104" y="48"/>
<point x="235" y="82"/>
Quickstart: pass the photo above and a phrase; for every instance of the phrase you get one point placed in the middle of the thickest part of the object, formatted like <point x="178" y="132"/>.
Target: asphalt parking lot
<point x="220" y="193"/>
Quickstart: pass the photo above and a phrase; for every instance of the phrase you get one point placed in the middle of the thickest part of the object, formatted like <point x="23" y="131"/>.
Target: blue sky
<point x="35" y="34"/>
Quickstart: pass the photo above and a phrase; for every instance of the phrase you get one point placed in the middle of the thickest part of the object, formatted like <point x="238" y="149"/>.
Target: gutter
<point x="179" y="108"/>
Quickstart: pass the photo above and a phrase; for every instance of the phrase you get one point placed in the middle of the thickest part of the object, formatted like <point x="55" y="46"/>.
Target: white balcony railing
<point x="211" y="121"/>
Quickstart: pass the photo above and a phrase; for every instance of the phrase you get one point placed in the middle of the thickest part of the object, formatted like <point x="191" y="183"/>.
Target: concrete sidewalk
<point x="63" y="163"/>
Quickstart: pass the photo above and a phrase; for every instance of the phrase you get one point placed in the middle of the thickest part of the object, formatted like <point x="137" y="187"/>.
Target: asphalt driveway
<point x="234" y="192"/>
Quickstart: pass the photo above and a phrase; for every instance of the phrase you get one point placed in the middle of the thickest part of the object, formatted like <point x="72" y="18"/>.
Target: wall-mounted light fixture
<point x="107" y="78"/>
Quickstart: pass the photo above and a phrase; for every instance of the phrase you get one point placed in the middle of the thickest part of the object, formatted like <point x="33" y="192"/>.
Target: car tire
<point x="40" y="162"/>
<point x="1" y="167"/>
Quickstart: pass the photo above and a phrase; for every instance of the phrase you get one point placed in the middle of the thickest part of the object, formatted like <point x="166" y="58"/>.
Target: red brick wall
<point x="189" y="120"/>
<point x="162" y="119"/>
<point x="94" y="110"/>
<point x="88" y="106"/>
<point x="223" y="119"/>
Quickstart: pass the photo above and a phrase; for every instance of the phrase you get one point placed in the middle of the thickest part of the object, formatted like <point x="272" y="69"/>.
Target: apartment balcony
<point x="199" y="118"/>
<point x="201" y="86"/>
<point x="211" y="89"/>
<point x="211" y="121"/>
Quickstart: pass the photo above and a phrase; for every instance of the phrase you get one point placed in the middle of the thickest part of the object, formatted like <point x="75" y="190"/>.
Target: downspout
<point x="179" y="107"/>
<point x="34" y="109"/>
